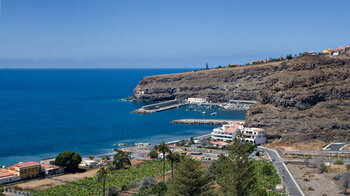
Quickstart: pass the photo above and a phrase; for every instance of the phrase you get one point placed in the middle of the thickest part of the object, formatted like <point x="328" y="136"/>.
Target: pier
<point x="157" y="107"/>
<point x="206" y="121"/>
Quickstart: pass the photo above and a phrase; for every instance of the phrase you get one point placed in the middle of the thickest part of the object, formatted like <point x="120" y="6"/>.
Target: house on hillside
<point x="227" y="133"/>
<point x="327" y="51"/>
<point x="254" y="135"/>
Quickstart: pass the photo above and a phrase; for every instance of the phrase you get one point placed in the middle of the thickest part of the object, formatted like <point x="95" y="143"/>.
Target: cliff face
<point x="304" y="98"/>
<point x="217" y="85"/>
<point x="309" y="100"/>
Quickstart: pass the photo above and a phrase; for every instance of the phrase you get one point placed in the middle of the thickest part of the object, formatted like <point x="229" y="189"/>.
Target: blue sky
<point x="164" y="33"/>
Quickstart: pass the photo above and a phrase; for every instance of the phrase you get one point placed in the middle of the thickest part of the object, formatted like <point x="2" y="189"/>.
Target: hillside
<point x="304" y="98"/>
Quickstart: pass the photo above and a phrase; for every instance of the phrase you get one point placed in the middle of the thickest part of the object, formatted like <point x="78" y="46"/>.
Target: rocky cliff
<point x="304" y="98"/>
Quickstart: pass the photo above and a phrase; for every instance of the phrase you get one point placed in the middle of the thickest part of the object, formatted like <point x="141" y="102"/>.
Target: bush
<point x="153" y="154"/>
<point x="339" y="162"/>
<point x="323" y="169"/>
<point x="310" y="188"/>
<point x="147" y="182"/>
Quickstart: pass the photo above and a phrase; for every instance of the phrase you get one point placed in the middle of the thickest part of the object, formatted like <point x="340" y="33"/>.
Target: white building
<point x="226" y="132"/>
<point x="87" y="163"/>
<point x="196" y="100"/>
<point x="7" y="177"/>
<point x="254" y="135"/>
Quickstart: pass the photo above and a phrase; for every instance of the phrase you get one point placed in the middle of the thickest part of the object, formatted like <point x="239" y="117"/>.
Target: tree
<point x="163" y="148"/>
<point x="216" y="166"/>
<point x="236" y="174"/>
<point x="288" y="57"/>
<point x="189" y="179"/>
<point x="91" y="157"/>
<point x="160" y="188"/>
<point x="348" y="167"/>
<point x="69" y="160"/>
<point x="102" y="175"/>
<point x="206" y="66"/>
<point x="1" y="190"/>
<point x="173" y="158"/>
<point x="153" y="154"/>
<point x="121" y="160"/>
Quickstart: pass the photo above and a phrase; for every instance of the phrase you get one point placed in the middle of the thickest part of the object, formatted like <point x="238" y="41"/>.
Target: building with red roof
<point x="26" y="170"/>
<point x="219" y="143"/>
<point x="226" y="132"/>
<point x="254" y="135"/>
<point x="6" y="176"/>
<point x="50" y="170"/>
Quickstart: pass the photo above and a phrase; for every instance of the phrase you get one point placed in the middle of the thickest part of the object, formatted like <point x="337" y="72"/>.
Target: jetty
<point x="161" y="106"/>
<point x="206" y="121"/>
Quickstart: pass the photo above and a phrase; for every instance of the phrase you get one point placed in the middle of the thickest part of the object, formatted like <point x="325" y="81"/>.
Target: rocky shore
<point x="298" y="100"/>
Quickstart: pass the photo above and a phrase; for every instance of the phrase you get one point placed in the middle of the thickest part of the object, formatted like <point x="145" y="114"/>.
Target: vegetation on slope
<point x="116" y="178"/>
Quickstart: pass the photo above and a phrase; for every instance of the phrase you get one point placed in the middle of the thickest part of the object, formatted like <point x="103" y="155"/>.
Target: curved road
<point x="282" y="170"/>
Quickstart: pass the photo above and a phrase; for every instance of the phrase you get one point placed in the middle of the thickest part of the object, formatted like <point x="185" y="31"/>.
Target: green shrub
<point x="339" y="162"/>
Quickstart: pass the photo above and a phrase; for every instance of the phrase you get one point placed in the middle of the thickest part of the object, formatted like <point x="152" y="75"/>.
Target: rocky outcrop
<point x="304" y="98"/>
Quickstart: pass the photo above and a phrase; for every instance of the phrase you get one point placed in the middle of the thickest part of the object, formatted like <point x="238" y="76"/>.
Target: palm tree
<point x="163" y="148"/>
<point x="102" y="175"/>
<point x="121" y="160"/>
<point x="173" y="158"/>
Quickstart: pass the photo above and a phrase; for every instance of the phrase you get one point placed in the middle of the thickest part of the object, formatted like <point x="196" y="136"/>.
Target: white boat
<point x="214" y="113"/>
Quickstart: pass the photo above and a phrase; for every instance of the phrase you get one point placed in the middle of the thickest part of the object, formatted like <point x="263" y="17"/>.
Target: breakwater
<point x="158" y="107"/>
<point x="206" y="121"/>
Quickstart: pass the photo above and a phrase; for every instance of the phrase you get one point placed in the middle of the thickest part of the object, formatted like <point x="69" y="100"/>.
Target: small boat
<point x="213" y="114"/>
<point x="203" y="112"/>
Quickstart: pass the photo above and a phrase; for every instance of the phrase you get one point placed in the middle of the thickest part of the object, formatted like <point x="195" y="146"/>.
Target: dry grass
<point x="297" y="146"/>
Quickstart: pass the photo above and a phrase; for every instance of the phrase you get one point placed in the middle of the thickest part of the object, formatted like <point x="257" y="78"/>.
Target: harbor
<point x="176" y="103"/>
<point x="207" y="121"/>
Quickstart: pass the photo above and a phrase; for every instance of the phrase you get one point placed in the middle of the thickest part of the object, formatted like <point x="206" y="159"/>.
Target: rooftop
<point x="232" y="128"/>
<point x="220" y="143"/>
<point x="26" y="164"/>
<point x="6" y="174"/>
<point x="46" y="166"/>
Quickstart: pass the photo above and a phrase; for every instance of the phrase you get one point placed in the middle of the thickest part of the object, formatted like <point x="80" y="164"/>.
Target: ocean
<point x="47" y="111"/>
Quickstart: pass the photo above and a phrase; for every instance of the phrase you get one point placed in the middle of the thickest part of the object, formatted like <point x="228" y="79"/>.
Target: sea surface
<point x="45" y="112"/>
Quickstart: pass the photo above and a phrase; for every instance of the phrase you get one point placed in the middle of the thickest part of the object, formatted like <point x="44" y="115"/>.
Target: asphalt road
<point x="336" y="146"/>
<point x="291" y="185"/>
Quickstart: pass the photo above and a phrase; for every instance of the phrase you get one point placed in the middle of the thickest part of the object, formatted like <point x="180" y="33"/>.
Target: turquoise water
<point x="45" y="112"/>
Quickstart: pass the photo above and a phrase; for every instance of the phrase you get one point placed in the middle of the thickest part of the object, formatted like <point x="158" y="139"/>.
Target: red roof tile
<point x="232" y="128"/>
<point x="45" y="166"/>
<point x="26" y="164"/>
<point x="7" y="174"/>
<point x="220" y="143"/>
